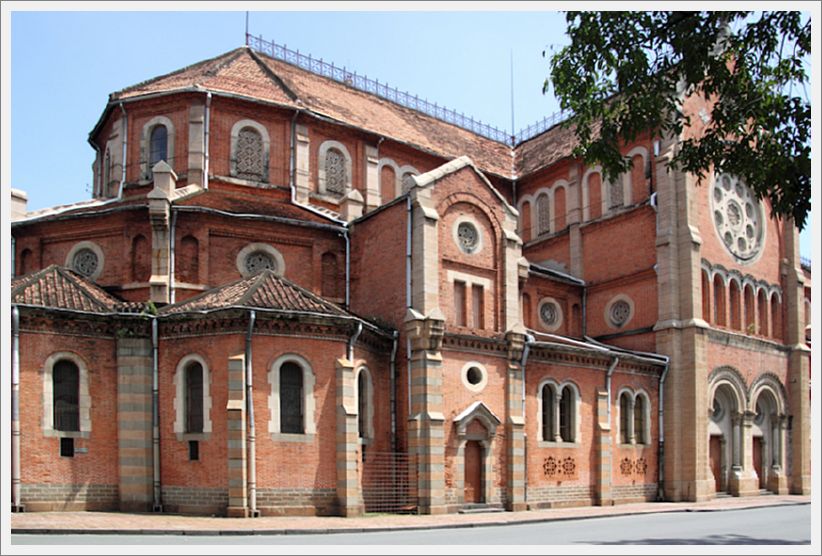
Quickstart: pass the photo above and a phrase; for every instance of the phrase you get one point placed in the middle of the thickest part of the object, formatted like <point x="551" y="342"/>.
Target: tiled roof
<point x="56" y="287"/>
<point x="259" y="203"/>
<point x="265" y="290"/>
<point x="244" y="72"/>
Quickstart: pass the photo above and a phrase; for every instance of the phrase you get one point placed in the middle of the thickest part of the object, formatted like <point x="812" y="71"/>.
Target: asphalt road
<point x="787" y="525"/>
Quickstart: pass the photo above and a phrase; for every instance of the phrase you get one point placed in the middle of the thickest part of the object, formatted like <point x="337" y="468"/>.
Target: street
<point x="765" y="526"/>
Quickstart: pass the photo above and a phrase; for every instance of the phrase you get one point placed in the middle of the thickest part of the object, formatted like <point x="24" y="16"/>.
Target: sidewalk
<point x="170" y="524"/>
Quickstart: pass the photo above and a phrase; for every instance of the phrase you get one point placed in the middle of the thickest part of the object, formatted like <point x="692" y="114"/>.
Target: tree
<point x="627" y="73"/>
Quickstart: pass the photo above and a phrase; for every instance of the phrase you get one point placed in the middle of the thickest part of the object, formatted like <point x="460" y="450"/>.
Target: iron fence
<point x="389" y="483"/>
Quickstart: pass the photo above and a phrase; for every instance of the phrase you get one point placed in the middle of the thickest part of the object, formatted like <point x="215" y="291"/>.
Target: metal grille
<point x="250" y="162"/>
<point x="389" y="483"/>
<point x="363" y="83"/>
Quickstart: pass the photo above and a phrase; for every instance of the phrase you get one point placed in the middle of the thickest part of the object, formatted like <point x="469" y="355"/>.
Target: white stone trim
<point x="586" y="209"/>
<point x="575" y="416"/>
<point x="145" y="144"/>
<point x="469" y="279"/>
<point x="560" y="315"/>
<point x="476" y="388"/>
<point x="402" y="172"/>
<point x="84" y="398"/>
<point x="309" y="404"/>
<point x="101" y="259"/>
<point x="397" y="181"/>
<point x="235" y="133"/>
<point x="369" y="401"/>
<point x="265" y="247"/>
<point x="463" y="218"/>
<point x="324" y="147"/>
<point x="607" y="313"/>
<point x="180" y="396"/>
<point x="628" y="184"/>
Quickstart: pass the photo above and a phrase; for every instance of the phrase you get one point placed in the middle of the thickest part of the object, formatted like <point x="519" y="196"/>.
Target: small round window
<point x="620" y="312"/>
<point x="550" y="314"/>
<point x="258" y="261"/>
<point x="85" y="262"/>
<point x="473" y="376"/>
<point x="468" y="237"/>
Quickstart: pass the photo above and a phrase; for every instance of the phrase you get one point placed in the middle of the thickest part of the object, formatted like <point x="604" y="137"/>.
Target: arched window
<point x="566" y="415"/>
<point x="140" y="259"/>
<point x="362" y="405"/>
<point x="194" y="398"/>
<point x="762" y="309"/>
<point x="249" y="155"/>
<point x="25" y="264"/>
<point x="66" y="396"/>
<point x="735" y="307"/>
<point x="719" y="301"/>
<point x="388" y="183"/>
<point x="544" y="214"/>
<point x="188" y="260"/>
<point x="559" y="208"/>
<point x="706" y="298"/>
<point x="291" y="398"/>
<point x="776" y="317"/>
<point x="548" y="413"/>
<point x="625" y="418"/>
<point x="750" y="313"/>
<point x="158" y="145"/>
<point x="336" y="177"/>
<point x="104" y="188"/>
<point x="639" y="420"/>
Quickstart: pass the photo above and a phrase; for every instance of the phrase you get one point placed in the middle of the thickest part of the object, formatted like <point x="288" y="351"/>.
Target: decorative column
<point x="236" y="421"/>
<point x="426" y="432"/>
<point x="302" y="178"/>
<point x="515" y="423"/>
<point x="159" y="210"/>
<point x="196" y="144"/>
<point x="777" y="480"/>
<point x="743" y="481"/>
<point x="349" y="493"/>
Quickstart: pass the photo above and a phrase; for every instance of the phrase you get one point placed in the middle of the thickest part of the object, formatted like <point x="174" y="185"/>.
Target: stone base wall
<point x="297" y="501"/>
<point x="72" y="497"/>
<point x="198" y="501"/>
<point x="646" y="492"/>
<point x="559" y="497"/>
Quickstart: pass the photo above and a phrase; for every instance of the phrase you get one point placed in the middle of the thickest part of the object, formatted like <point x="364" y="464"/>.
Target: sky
<point x="65" y="63"/>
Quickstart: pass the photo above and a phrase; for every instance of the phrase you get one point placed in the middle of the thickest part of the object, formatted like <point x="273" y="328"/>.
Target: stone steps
<point x="481" y="508"/>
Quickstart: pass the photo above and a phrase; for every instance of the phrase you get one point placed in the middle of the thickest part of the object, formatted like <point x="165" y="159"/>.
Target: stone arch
<point x="322" y="170"/>
<point x="586" y="194"/>
<point x="179" y="397"/>
<point x="309" y="403"/>
<point x="734" y="379"/>
<point x="769" y="382"/>
<point x="260" y="129"/>
<point x="145" y="144"/>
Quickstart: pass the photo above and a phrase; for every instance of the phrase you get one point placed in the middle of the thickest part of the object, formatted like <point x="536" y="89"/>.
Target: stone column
<point x="159" y="210"/>
<point x="777" y="480"/>
<point x="798" y="383"/>
<point x="134" y="424"/>
<point x="604" y="449"/>
<point x="557" y="400"/>
<point x="515" y="423"/>
<point x="236" y="424"/>
<point x="426" y="432"/>
<point x="349" y="494"/>
<point x="302" y="178"/>
<point x="372" y="179"/>
<point x="196" y="144"/>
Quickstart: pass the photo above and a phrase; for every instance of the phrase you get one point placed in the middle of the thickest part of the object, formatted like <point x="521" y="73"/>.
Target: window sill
<point x="288" y="437"/>
<point x="66" y="434"/>
<point x="191" y="436"/>
<point x="544" y="444"/>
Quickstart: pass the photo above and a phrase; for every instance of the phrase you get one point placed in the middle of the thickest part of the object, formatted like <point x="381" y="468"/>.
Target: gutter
<point x="16" y="505"/>
<point x="251" y="435"/>
<point x="608" y="374"/>
<point x="155" y="418"/>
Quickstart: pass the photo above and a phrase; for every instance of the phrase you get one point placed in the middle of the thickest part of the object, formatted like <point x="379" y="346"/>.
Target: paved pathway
<point x="136" y="523"/>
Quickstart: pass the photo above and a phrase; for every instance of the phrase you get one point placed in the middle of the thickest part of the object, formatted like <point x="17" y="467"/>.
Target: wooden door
<point x="473" y="472"/>
<point x="757" y="460"/>
<point x="716" y="460"/>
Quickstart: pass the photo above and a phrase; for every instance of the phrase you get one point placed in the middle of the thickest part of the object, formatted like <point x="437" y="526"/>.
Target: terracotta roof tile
<point x="250" y="203"/>
<point x="265" y="290"/>
<point x="56" y="287"/>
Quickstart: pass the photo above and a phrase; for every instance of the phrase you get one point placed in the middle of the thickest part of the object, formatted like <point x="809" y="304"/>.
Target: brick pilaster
<point x="237" y="464"/>
<point x="349" y="493"/>
<point x="603" y="440"/>
<point x="302" y="178"/>
<point x="515" y="424"/>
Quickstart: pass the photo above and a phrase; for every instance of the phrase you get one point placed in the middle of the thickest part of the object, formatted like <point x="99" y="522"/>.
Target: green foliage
<point x="627" y="73"/>
<point x="150" y="309"/>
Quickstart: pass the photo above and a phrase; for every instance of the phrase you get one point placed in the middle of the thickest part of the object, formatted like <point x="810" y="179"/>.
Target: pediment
<point x="477" y="412"/>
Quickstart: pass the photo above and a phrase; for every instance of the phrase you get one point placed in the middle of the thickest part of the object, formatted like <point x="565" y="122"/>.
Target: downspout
<point x="249" y="400"/>
<point x="16" y="506"/>
<point x="171" y="257"/>
<point x="584" y="311"/>
<point x="529" y="339"/>
<point x="206" y="134"/>
<point x="409" y="214"/>
<point x="292" y="159"/>
<point x="661" y="451"/>
<point x="125" y="151"/>
<point x="351" y="341"/>
<point x="608" y="376"/>
<point x="155" y="417"/>
<point x="393" y="388"/>
<point x="13" y="258"/>
<point x="347" y="268"/>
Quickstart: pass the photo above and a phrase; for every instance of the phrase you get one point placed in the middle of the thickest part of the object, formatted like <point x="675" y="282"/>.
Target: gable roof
<point x="56" y="287"/>
<point x="264" y="290"/>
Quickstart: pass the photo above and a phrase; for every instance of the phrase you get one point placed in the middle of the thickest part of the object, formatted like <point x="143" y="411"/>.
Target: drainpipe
<point x="252" y="449"/>
<point x="292" y="159"/>
<point x="171" y="265"/>
<point x="353" y="339"/>
<point x="584" y="311"/>
<point x="13" y="258"/>
<point x="408" y="294"/>
<point x="125" y="151"/>
<point x="393" y="388"/>
<point x="16" y="506"/>
<point x="206" y="132"/>
<point x="347" y="268"/>
<point x="661" y="454"/>
<point x="608" y="375"/>
<point x="529" y="339"/>
<point x="155" y="417"/>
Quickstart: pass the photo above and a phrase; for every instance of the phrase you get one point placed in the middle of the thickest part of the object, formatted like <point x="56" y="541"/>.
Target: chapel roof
<point x="56" y="287"/>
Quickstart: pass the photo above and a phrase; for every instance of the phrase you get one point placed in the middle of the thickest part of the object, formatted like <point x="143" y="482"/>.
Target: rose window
<point x="85" y="262"/>
<point x="737" y="217"/>
<point x="620" y="312"/>
<point x="258" y="261"/>
<point x="549" y="313"/>
<point x="468" y="237"/>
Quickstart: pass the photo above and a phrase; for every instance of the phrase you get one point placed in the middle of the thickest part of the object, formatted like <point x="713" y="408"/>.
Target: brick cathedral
<point x="296" y="292"/>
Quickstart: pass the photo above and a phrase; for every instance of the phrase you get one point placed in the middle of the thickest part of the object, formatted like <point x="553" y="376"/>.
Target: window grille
<point x="544" y="214"/>
<point x="249" y="155"/>
<point x="335" y="173"/>
<point x="66" y="392"/>
<point x="291" y="399"/>
<point x="258" y="261"/>
<point x="85" y="262"/>
<point x="194" y="398"/>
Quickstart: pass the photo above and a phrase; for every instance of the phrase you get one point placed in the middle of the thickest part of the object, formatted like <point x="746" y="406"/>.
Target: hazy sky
<point x="64" y="65"/>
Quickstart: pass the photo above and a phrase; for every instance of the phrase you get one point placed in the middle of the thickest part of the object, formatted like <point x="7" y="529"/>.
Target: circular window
<point x="620" y="312"/>
<point x="737" y="217"/>
<point x="85" y="262"/>
<point x="550" y="314"/>
<point x="258" y="261"/>
<point x="474" y="376"/>
<point x="468" y="237"/>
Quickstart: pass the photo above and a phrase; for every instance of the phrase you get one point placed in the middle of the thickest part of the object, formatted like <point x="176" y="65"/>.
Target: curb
<point x="356" y="530"/>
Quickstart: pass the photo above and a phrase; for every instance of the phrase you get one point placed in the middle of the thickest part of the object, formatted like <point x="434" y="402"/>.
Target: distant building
<point x="292" y="296"/>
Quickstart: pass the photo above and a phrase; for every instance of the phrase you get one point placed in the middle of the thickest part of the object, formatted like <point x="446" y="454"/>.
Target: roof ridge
<point x="312" y="295"/>
<point x="273" y="76"/>
<point x="256" y="281"/>
<point x="73" y="278"/>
